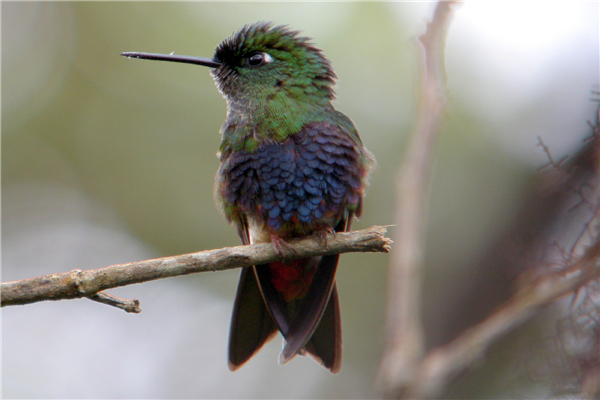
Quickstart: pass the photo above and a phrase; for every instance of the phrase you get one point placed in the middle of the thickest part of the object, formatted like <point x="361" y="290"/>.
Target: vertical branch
<point x="404" y="334"/>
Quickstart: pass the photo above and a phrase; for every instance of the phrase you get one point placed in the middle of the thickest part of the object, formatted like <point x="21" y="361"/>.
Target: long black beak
<point x="207" y="62"/>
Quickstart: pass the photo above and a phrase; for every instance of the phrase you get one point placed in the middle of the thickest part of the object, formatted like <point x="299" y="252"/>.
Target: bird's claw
<point x="281" y="247"/>
<point x="321" y="234"/>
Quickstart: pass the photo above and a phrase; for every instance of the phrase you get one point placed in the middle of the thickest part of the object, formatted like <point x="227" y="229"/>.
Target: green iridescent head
<point x="261" y="60"/>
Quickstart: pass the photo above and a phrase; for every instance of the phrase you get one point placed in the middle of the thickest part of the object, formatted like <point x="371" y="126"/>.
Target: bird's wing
<point x="251" y="322"/>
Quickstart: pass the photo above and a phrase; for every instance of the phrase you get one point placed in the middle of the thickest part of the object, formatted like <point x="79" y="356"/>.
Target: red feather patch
<point x="292" y="279"/>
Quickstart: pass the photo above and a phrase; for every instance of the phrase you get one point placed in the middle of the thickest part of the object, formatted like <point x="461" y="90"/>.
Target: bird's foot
<point x="281" y="247"/>
<point x="322" y="232"/>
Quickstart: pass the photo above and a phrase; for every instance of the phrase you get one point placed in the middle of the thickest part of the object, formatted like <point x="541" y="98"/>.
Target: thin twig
<point x="404" y="333"/>
<point x="551" y="162"/>
<point x="78" y="284"/>
<point x="130" y="306"/>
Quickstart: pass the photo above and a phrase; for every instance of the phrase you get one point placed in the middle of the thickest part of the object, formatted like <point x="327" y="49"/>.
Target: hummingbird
<point x="291" y="166"/>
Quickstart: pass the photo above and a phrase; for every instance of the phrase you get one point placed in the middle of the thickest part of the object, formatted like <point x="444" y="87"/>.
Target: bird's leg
<point x="281" y="247"/>
<point x="322" y="232"/>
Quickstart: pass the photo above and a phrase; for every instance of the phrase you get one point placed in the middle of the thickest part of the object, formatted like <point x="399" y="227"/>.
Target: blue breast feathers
<point x="313" y="177"/>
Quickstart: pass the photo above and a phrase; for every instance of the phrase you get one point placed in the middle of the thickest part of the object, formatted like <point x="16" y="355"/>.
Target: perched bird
<point x="291" y="166"/>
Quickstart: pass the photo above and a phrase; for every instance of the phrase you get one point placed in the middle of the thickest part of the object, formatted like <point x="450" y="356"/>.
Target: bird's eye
<point x="258" y="59"/>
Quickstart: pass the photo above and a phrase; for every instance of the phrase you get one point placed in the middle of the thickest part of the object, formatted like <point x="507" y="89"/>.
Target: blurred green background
<point x="109" y="160"/>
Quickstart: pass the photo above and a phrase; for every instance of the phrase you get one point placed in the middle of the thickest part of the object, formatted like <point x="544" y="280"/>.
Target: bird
<point x="291" y="166"/>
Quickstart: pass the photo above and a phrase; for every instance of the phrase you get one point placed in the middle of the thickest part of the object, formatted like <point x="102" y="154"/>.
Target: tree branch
<point x="404" y="332"/>
<point x="539" y="286"/>
<point x="405" y="370"/>
<point x="445" y="363"/>
<point x="77" y="283"/>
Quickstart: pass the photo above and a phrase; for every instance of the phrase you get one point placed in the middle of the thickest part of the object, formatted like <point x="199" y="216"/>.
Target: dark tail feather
<point x="274" y="303"/>
<point x="325" y="345"/>
<point x="251" y="323"/>
<point x="311" y="308"/>
<point x="320" y="294"/>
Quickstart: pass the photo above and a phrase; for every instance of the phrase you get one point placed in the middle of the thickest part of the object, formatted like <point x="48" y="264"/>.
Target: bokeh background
<point x="109" y="160"/>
